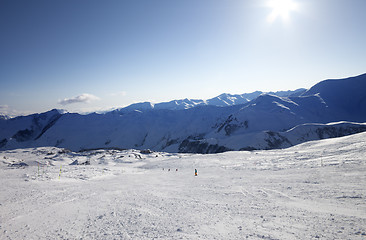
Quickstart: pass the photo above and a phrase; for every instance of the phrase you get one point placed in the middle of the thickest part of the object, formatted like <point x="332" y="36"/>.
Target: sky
<point x="94" y="55"/>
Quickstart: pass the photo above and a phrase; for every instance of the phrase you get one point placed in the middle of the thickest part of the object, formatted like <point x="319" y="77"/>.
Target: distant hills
<point x="331" y="108"/>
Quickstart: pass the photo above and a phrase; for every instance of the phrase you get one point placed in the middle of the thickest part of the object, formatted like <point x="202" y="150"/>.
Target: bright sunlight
<point x="281" y="9"/>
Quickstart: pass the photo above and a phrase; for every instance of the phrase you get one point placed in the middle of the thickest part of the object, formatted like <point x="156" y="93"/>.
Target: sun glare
<point x="281" y="9"/>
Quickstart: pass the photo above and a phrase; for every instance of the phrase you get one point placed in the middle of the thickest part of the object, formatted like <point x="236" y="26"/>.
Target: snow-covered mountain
<point x="272" y="139"/>
<point x="27" y="129"/>
<point x="227" y="122"/>
<point x="222" y="100"/>
<point x="3" y="117"/>
<point x="345" y="98"/>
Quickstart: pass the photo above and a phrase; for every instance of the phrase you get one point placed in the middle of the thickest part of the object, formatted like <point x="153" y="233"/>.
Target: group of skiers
<point x="169" y="169"/>
<point x="195" y="171"/>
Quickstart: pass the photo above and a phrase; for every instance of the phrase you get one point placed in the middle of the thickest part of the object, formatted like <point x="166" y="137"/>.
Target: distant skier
<point x="195" y="172"/>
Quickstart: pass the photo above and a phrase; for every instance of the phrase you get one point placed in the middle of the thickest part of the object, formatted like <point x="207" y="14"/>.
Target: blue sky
<point x="88" y="55"/>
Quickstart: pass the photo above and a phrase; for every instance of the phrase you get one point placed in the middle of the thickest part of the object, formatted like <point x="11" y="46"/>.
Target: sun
<point x="281" y="9"/>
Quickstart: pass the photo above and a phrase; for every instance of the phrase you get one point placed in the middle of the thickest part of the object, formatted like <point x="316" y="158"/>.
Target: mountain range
<point x="331" y="108"/>
<point x="222" y="100"/>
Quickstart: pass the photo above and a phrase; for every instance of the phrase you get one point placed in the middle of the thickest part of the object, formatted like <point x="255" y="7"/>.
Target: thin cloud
<point x="121" y="93"/>
<point x="83" y="98"/>
<point x="4" y="111"/>
<point x="4" y="107"/>
<point x="8" y="112"/>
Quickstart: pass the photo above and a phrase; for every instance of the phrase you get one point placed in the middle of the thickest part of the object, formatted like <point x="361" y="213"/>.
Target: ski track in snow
<point x="314" y="190"/>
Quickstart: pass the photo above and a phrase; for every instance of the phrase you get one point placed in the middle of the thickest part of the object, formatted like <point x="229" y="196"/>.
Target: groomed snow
<point x="315" y="190"/>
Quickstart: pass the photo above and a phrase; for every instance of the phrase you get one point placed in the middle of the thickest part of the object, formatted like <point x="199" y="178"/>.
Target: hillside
<point x="345" y="98"/>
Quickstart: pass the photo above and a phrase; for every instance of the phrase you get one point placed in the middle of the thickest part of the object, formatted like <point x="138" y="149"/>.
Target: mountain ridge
<point x="222" y="100"/>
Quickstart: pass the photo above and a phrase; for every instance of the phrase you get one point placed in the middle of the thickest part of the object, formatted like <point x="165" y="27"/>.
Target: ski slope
<point x="315" y="190"/>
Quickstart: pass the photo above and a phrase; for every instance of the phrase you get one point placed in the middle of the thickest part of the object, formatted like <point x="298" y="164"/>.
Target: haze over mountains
<point x="331" y="108"/>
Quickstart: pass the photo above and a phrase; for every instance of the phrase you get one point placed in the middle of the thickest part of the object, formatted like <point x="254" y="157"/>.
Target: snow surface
<point x="315" y="190"/>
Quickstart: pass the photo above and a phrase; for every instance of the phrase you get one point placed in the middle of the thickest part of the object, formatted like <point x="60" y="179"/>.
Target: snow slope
<point x="23" y="130"/>
<point x="345" y="97"/>
<point x="314" y="190"/>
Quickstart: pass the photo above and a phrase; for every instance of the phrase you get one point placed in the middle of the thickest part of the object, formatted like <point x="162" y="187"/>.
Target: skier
<point x="195" y="172"/>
